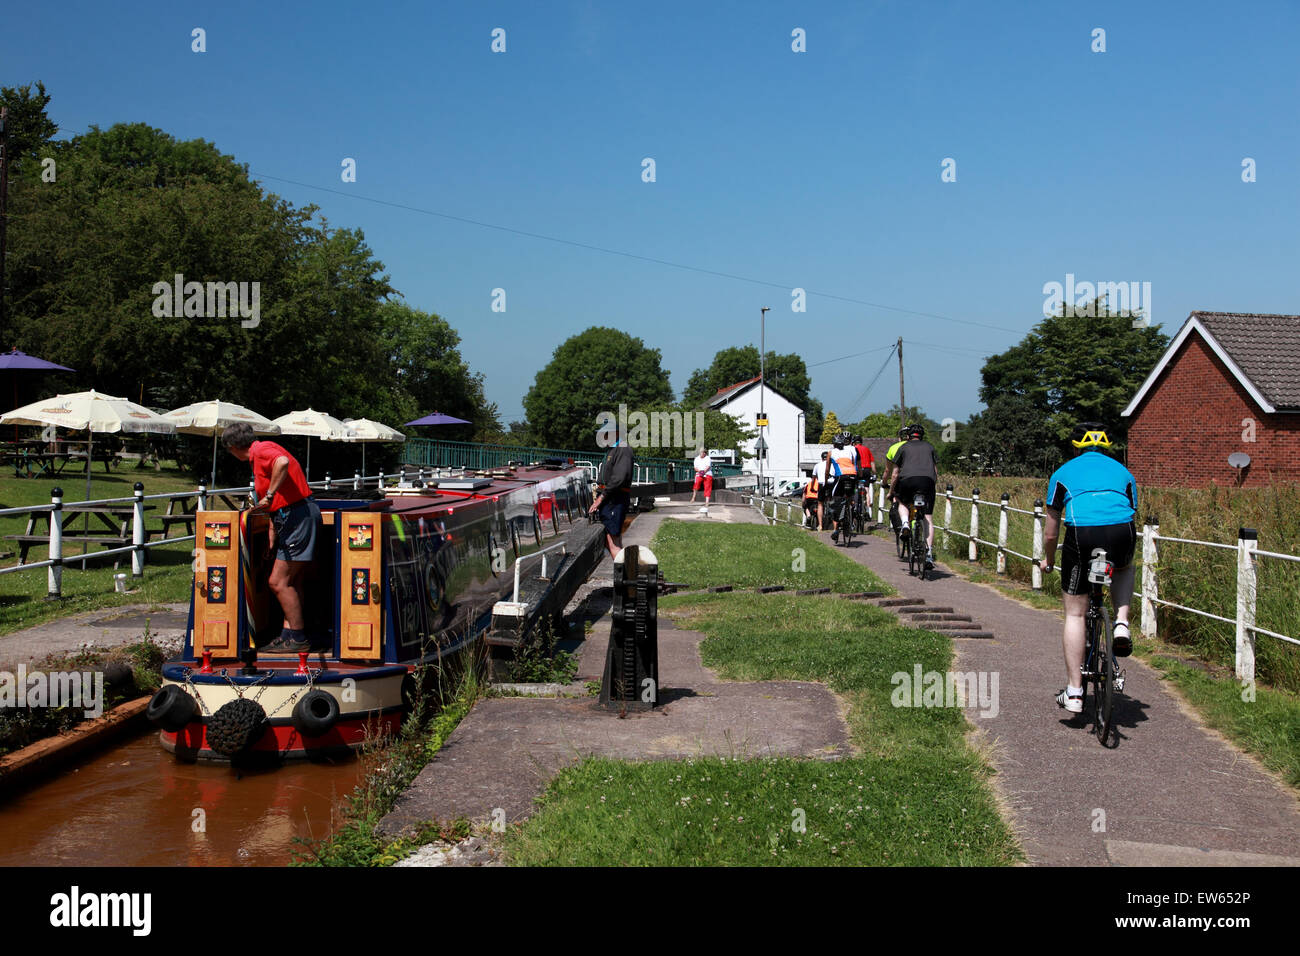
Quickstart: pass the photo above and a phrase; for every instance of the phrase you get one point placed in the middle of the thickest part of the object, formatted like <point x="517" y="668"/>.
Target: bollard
<point x="55" y="577"/>
<point x="137" y="532"/>
<point x="356" y="480"/>
<point x="1150" y="582"/>
<point x="947" y="516"/>
<point x="974" y="522"/>
<point x="1002" y="534"/>
<point x="381" y="479"/>
<point x="1036" y="572"/>
<point x="631" y="678"/>
<point x="882" y="514"/>
<point x="328" y="481"/>
<point x="202" y="504"/>
<point x="1247" y="545"/>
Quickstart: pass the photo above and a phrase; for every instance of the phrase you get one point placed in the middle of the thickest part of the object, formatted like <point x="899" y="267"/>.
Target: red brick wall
<point x="1191" y="421"/>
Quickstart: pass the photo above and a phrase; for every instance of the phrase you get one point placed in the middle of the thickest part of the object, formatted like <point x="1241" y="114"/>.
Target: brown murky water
<point x="134" y="805"/>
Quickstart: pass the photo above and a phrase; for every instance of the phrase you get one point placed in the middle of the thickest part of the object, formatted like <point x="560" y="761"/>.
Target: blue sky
<point x="818" y="170"/>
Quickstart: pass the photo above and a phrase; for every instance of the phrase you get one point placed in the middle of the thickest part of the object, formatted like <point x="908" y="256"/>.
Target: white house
<point x="783" y="434"/>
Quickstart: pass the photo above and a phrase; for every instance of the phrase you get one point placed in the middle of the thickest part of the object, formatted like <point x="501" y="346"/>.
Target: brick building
<point x="1228" y="383"/>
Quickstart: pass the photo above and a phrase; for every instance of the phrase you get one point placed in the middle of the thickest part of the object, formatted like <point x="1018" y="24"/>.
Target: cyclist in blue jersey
<point x="1095" y="497"/>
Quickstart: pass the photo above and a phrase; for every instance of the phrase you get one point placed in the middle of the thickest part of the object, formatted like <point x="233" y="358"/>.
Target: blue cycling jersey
<point x="1093" y="489"/>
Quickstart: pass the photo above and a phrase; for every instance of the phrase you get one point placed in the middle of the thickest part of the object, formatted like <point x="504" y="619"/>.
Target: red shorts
<point x="707" y="481"/>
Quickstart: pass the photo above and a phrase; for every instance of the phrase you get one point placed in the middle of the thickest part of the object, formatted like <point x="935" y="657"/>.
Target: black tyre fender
<point x="316" y="713"/>
<point x="171" y="708"/>
<point x="235" y="725"/>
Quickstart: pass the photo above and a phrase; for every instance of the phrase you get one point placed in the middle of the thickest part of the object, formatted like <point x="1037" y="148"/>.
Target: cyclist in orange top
<point x="844" y="480"/>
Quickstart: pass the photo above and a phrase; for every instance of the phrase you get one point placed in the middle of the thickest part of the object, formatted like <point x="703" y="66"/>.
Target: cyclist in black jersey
<point x="916" y="472"/>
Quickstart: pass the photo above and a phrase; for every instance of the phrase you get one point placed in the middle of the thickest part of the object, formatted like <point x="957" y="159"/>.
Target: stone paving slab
<point x="1173" y="791"/>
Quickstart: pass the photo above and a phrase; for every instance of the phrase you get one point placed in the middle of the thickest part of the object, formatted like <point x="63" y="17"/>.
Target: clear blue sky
<point x="818" y="169"/>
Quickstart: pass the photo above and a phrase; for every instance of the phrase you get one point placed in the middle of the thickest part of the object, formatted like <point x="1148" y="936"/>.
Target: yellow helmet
<point x="1089" y="435"/>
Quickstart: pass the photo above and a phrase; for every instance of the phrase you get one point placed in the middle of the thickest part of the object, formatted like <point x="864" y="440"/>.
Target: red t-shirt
<point x="263" y="454"/>
<point x="865" y="458"/>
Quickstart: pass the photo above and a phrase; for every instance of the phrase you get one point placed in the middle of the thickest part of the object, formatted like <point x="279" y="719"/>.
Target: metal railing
<point x="475" y="456"/>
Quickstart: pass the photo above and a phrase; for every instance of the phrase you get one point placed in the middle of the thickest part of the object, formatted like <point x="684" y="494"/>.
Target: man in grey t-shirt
<point x="615" y="486"/>
<point x="916" y="471"/>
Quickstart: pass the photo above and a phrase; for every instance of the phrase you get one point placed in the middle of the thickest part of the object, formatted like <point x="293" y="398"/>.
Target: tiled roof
<point x="1265" y="347"/>
<point x="725" y="394"/>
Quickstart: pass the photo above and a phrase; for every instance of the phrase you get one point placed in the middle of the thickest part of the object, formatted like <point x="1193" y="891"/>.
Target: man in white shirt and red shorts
<point x="703" y="477"/>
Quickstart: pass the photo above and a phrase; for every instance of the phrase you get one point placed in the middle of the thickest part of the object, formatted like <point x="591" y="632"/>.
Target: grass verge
<point x="915" y="794"/>
<point x="745" y="555"/>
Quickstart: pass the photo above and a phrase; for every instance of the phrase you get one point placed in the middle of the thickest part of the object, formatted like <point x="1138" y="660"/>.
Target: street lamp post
<point x="762" y="386"/>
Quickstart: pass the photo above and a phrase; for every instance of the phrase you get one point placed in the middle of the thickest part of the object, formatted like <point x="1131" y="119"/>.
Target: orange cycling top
<point x="845" y="459"/>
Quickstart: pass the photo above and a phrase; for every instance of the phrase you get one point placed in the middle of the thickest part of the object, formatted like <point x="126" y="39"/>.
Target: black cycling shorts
<point x="909" y="488"/>
<point x="1118" y="540"/>
<point x="842" y="485"/>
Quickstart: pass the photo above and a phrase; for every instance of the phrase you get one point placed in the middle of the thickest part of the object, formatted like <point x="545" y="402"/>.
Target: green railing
<point x="433" y="453"/>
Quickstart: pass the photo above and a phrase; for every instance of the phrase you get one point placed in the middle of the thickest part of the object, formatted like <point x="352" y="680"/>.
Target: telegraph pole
<point x="762" y="387"/>
<point x="902" y="405"/>
<point x="4" y="214"/>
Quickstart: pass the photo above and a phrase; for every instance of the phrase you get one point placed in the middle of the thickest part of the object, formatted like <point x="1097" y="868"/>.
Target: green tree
<point x="830" y="428"/>
<point x="590" y="373"/>
<point x="787" y="375"/>
<point x="1012" y="437"/>
<point x="1071" y="368"/>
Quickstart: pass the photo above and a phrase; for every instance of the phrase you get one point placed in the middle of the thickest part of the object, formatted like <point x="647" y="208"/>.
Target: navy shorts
<point x="295" y="530"/>
<point x="613" y="509"/>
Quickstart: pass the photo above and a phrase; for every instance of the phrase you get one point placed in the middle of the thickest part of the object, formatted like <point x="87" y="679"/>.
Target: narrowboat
<point x="404" y="582"/>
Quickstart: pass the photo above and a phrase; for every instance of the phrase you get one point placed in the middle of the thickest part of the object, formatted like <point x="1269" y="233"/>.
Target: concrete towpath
<point x="506" y="750"/>
<point x="1172" y="792"/>
<point x="103" y="628"/>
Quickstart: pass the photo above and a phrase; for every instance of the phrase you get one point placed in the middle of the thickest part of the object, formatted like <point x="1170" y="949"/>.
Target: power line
<point x="854" y="355"/>
<point x="853" y="409"/>
<point x="627" y="255"/>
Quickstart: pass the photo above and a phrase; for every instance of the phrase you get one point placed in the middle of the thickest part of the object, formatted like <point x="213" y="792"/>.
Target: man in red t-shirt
<point x="281" y="488"/>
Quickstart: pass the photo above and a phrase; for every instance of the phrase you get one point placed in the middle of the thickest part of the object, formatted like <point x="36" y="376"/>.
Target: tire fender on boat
<point x="235" y="725"/>
<point x="316" y="714"/>
<point x="171" y="708"/>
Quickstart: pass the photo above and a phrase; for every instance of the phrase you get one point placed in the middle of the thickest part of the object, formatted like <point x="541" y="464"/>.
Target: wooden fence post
<point x="1036" y="572"/>
<point x="1150" y="582"/>
<point x="974" y="523"/>
<point x="1002" y="533"/>
<point x="55" y="576"/>
<point x="947" y="515"/>
<point x="1247" y="544"/>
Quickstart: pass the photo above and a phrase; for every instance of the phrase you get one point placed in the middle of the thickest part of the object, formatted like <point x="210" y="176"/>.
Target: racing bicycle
<point x="1100" y="668"/>
<point x="916" y="550"/>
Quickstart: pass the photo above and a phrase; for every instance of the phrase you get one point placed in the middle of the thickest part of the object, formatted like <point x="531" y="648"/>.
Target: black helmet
<point x="903" y="432"/>
<point x="916" y="431"/>
<point x="839" y="440"/>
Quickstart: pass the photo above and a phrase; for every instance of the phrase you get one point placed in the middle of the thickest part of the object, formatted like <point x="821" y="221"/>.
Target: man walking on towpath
<point x="281" y="488"/>
<point x="703" y="477"/>
<point x="614" y="493"/>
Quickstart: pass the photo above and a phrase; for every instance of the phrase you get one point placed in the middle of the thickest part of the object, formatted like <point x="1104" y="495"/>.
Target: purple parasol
<point x="437" y="418"/>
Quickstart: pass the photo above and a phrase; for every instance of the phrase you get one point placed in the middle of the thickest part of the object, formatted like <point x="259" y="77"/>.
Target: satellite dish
<point x="1238" y="459"/>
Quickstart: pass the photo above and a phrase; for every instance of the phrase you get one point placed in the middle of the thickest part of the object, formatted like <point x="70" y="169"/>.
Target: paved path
<point x="1172" y="791"/>
<point x="504" y="752"/>
<point x="106" y="627"/>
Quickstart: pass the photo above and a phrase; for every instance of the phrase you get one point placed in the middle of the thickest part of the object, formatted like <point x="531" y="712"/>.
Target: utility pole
<point x="4" y="214"/>
<point x="762" y="388"/>
<point x="902" y="405"/>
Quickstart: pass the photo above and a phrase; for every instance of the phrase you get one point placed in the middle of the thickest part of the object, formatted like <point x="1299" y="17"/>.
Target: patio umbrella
<point x="213" y="418"/>
<point x="437" y="418"/>
<point x="95" y="412"/>
<point x="364" y="430"/>
<point x="16" y="361"/>
<point x="313" y="424"/>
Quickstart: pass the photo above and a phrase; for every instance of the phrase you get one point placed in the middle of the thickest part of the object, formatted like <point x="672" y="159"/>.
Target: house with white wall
<point x="784" y="431"/>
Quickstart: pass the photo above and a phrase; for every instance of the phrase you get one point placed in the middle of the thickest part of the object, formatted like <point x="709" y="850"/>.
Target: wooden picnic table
<point x="115" y="518"/>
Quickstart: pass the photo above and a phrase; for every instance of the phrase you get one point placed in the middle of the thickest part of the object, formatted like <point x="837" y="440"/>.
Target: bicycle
<point x="861" y="499"/>
<point x="901" y="535"/>
<point x="844" y="509"/>
<point x="916" y="551"/>
<point x="1100" y="667"/>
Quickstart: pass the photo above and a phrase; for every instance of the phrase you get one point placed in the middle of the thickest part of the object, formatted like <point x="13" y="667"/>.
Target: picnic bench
<point x="116" y="519"/>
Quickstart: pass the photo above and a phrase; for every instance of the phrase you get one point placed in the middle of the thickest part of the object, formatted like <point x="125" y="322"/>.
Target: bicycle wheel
<point x="918" y="545"/>
<point x="1105" y="677"/>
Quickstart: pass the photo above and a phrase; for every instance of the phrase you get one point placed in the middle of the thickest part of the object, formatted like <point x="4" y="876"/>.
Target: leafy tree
<point x="787" y="375"/>
<point x="1012" y="437"/>
<point x="1075" y="368"/>
<point x="717" y="430"/>
<point x="589" y="373"/>
<point x="29" y="130"/>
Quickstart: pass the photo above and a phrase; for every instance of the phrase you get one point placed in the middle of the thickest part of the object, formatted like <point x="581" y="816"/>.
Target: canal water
<point x="137" y="805"/>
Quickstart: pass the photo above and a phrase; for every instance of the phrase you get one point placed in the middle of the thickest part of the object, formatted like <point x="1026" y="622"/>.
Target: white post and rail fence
<point x="1153" y="542"/>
